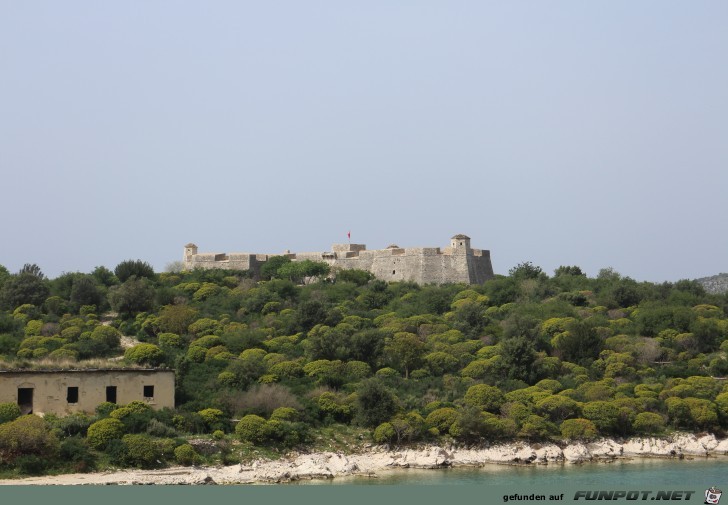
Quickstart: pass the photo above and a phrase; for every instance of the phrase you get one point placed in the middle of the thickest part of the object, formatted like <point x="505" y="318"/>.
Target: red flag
<point x="349" y="234"/>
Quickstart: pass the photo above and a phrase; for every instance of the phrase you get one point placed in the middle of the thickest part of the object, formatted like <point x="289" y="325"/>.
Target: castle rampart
<point x="458" y="263"/>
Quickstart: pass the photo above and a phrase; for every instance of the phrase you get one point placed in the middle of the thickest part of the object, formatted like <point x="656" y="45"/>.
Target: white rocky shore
<point x="328" y="465"/>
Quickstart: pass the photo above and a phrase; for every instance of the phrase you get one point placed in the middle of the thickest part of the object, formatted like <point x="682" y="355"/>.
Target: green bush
<point x="214" y="419"/>
<point x="141" y="450"/>
<point x="104" y="431"/>
<point x="250" y="428"/>
<point x="144" y="354"/>
<point x="578" y="429"/>
<point x="442" y="419"/>
<point x="485" y="397"/>
<point x="384" y="433"/>
<point x="25" y="436"/>
<point x="75" y="450"/>
<point x="9" y="412"/>
<point x="105" y="409"/>
<point x="648" y="423"/>
<point x="186" y="455"/>
<point x="285" y="414"/>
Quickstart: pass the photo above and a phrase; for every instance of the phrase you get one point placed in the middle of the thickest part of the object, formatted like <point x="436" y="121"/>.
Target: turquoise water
<point x="633" y="474"/>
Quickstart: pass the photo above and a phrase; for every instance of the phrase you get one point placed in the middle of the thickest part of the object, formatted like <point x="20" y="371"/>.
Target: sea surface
<point x="641" y="473"/>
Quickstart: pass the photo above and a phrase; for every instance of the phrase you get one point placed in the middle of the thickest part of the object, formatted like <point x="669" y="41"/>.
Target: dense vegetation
<point x="307" y="357"/>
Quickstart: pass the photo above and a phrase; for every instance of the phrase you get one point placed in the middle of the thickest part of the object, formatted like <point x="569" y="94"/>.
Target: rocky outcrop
<point x="717" y="284"/>
<point x="328" y="465"/>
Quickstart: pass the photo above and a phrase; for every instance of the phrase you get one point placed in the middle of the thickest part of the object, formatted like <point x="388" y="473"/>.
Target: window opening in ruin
<point x="149" y="392"/>
<point x="72" y="395"/>
<point x="393" y="272"/>
<point x="25" y="400"/>
<point x="111" y="394"/>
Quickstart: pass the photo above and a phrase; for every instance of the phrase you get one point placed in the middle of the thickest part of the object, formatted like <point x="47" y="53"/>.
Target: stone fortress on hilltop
<point x="458" y="263"/>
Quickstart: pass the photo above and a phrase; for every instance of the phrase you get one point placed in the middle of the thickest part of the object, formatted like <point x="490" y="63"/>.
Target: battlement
<point x="458" y="263"/>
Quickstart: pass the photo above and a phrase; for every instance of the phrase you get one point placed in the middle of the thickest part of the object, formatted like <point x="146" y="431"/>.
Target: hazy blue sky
<point x="592" y="133"/>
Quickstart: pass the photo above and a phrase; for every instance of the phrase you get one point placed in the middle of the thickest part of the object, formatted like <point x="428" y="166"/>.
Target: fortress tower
<point x="190" y="251"/>
<point x="460" y="244"/>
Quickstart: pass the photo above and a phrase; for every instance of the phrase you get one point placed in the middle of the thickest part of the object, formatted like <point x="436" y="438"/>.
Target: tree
<point x="176" y="318"/>
<point x="526" y="270"/>
<point x="32" y="269"/>
<point x="519" y="355"/>
<point x="270" y="269"/>
<point x="405" y="350"/>
<point x="23" y="288"/>
<point x="85" y="291"/>
<point x="557" y="407"/>
<point x="484" y="397"/>
<point x="649" y="423"/>
<point x="133" y="296"/>
<point x="4" y="275"/>
<point x="104" y="276"/>
<point x="134" y="268"/>
<point x="580" y="342"/>
<point x="578" y="429"/>
<point x="605" y="415"/>
<point x="568" y="270"/>
<point x="375" y="403"/>
<point x="358" y="277"/>
<point x="301" y="271"/>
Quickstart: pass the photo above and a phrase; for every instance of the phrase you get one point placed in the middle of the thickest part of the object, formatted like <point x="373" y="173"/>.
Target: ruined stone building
<point x="65" y="392"/>
<point x="458" y="263"/>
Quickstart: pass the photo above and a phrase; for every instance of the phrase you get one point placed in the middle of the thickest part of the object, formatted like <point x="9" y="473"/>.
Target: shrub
<point x="105" y="409"/>
<point x="104" y="431"/>
<point x="214" y="419"/>
<point x="285" y="414"/>
<point x="107" y="336"/>
<point x="75" y="450"/>
<point x="265" y="398"/>
<point x="484" y="397"/>
<point x="218" y="434"/>
<point x="578" y="429"/>
<point x="250" y="428"/>
<point x="375" y="403"/>
<point x="287" y="369"/>
<point x="31" y="464"/>
<point x="25" y="436"/>
<point x="442" y="419"/>
<point x="186" y="455"/>
<point x="157" y="428"/>
<point x="329" y="404"/>
<point x="144" y="354"/>
<point x="74" y="424"/>
<point x="384" y="433"/>
<point x="141" y="450"/>
<point x="649" y="423"/>
<point x="9" y="412"/>
<point x="170" y="341"/>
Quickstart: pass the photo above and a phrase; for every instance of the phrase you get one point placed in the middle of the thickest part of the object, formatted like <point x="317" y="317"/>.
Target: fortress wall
<point x="313" y="256"/>
<point x="397" y="267"/>
<point x="423" y="265"/>
<point x="445" y="269"/>
<point x="481" y="269"/>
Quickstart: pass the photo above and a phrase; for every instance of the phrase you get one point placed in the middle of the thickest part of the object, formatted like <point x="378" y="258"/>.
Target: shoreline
<point x="379" y="459"/>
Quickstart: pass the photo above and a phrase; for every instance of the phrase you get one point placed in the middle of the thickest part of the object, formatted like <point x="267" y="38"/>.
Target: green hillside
<point x="312" y="359"/>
